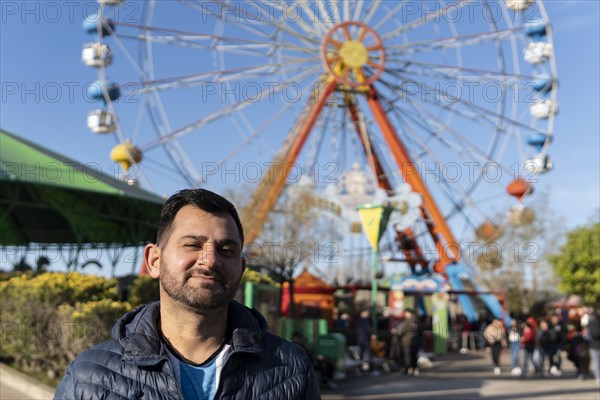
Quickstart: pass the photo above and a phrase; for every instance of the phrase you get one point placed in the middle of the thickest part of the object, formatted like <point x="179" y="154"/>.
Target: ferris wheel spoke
<point x="358" y="10"/>
<point x="258" y="49"/>
<point x="220" y="113"/>
<point x="463" y="146"/>
<point x="202" y="7"/>
<point x="327" y="14"/>
<point x="448" y="42"/>
<point x="233" y="16"/>
<point x="453" y="190"/>
<point x="139" y="119"/>
<point x="151" y="164"/>
<point x="212" y="77"/>
<point x="397" y="10"/>
<point x="457" y="70"/>
<point x="373" y="8"/>
<point x="454" y="76"/>
<point x="435" y="128"/>
<point x="325" y="126"/>
<point x="319" y="27"/>
<point x="277" y="5"/>
<point x="429" y="125"/>
<point x="423" y="90"/>
<point x="345" y="7"/>
<point x="255" y="48"/>
<point x="178" y="34"/>
<point x="261" y="129"/>
<point x="314" y="34"/>
<point x="421" y="21"/>
<point x="473" y="106"/>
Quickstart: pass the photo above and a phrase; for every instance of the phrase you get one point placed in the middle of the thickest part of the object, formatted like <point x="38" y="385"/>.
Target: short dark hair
<point x="201" y="198"/>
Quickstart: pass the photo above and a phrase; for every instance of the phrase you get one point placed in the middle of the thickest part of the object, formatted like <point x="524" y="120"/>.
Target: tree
<point x="513" y="257"/>
<point x="293" y="235"/>
<point x="578" y="263"/>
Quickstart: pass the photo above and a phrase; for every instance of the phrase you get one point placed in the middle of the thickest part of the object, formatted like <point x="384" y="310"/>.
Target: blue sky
<point x="42" y="78"/>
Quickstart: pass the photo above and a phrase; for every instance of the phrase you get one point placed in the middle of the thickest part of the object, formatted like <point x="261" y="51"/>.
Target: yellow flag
<point x="374" y="221"/>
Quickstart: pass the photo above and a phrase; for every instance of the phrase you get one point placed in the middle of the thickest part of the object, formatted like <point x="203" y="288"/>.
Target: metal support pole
<point x="374" y="269"/>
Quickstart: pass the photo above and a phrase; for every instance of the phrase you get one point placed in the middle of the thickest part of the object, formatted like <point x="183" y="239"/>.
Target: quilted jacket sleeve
<point x="312" y="386"/>
<point x="65" y="390"/>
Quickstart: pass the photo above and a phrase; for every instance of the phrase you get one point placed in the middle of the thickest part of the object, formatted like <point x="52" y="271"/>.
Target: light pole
<point x="374" y="218"/>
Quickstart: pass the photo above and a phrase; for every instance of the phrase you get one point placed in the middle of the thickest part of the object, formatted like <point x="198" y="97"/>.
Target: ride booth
<point x="428" y="297"/>
<point x="313" y="303"/>
<point x="433" y="298"/>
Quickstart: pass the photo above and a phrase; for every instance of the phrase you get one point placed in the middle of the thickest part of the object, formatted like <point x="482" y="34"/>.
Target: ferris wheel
<point x="457" y="99"/>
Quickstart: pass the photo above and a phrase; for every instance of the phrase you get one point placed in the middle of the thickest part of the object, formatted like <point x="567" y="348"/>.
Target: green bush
<point x="47" y="319"/>
<point x="144" y="289"/>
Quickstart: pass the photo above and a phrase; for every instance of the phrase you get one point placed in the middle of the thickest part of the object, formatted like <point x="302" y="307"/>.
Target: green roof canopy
<point x="48" y="198"/>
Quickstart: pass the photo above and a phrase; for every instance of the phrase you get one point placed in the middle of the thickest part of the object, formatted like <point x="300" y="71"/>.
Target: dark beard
<point x="200" y="299"/>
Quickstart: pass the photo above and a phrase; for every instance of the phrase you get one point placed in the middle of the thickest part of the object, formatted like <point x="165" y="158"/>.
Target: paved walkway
<point x="454" y="376"/>
<point x="15" y="385"/>
<point x="466" y="377"/>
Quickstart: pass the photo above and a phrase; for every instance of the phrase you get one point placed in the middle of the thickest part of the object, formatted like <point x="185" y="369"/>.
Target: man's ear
<point x="152" y="259"/>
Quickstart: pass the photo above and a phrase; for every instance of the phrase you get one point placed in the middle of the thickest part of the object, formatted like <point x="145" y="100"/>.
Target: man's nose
<point x="208" y="256"/>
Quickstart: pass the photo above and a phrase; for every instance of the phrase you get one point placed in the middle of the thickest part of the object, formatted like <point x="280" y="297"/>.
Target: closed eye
<point x="229" y="251"/>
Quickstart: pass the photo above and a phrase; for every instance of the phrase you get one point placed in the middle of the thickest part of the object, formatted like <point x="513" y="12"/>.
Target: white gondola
<point x="539" y="164"/>
<point x="519" y="5"/>
<point x="101" y="121"/>
<point x="537" y="52"/>
<point x="96" y="55"/>
<point x="543" y="109"/>
<point x="111" y="3"/>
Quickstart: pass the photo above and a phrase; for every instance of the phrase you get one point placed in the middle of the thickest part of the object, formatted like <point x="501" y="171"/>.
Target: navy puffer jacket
<point x="134" y="364"/>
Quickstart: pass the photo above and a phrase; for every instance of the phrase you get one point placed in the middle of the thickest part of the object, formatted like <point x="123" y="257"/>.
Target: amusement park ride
<point x="436" y="98"/>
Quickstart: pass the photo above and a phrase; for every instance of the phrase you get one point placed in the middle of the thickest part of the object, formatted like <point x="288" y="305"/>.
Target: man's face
<point x="200" y="263"/>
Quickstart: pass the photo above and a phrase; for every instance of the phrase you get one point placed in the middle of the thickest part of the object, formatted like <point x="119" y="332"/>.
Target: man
<point x="560" y="335"/>
<point x="409" y="332"/>
<point x="363" y="339"/>
<point x="593" y="331"/>
<point x="196" y="343"/>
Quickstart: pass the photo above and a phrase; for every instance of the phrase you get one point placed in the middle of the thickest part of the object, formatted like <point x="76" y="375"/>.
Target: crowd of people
<point x="538" y="346"/>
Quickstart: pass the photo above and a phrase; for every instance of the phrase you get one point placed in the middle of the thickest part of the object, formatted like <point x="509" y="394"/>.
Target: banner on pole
<point x="374" y="221"/>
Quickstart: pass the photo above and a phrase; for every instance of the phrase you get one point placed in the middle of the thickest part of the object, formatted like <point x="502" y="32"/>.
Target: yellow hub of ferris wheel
<point x="354" y="54"/>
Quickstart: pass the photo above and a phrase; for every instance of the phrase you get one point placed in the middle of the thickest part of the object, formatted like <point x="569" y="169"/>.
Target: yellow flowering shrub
<point x="47" y="319"/>
<point x="144" y="289"/>
<point x="256" y="277"/>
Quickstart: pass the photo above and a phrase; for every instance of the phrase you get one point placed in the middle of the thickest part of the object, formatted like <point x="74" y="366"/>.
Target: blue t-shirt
<point x="199" y="382"/>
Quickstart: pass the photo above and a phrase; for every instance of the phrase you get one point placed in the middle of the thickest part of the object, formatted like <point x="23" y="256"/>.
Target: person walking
<point x="528" y="341"/>
<point x="408" y="332"/>
<point x="495" y="336"/>
<point x="593" y="331"/>
<point x="196" y="342"/>
<point x="395" y="352"/>
<point x="545" y="338"/>
<point x="560" y="337"/>
<point x="514" y="340"/>
<point x="363" y="339"/>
